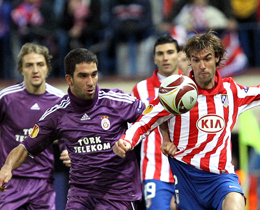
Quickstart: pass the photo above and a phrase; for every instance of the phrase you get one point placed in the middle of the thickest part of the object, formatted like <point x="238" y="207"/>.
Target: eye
<point x="94" y="74"/>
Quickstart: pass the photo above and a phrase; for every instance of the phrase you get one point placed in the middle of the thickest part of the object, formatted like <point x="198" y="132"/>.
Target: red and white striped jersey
<point x="153" y="164"/>
<point x="202" y="135"/>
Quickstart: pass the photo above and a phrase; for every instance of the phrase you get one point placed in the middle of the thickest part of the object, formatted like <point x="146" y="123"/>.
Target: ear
<point x="69" y="79"/>
<point x="217" y="59"/>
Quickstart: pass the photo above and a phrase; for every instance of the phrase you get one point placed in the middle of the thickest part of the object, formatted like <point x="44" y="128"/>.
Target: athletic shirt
<point x="19" y="110"/>
<point x="202" y="135"/>
<point x="90" y="129"/>
<point x="153" y="164"/>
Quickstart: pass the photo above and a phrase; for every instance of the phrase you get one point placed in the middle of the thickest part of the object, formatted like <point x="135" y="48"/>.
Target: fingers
<point x="64" y="156"/>
<point x="121" y="147"/>
<point x="3" y="188"/>
<point x="2" y="183"/>
<point x="168" y="149"/>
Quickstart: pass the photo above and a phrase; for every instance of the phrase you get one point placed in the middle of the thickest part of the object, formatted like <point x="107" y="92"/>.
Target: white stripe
<point x="116" y="99"/>
<point x="117" y="95"/>
<point x="12" y="89"/>
<point x="64" y="103"/>
<point x="54" y="90"/>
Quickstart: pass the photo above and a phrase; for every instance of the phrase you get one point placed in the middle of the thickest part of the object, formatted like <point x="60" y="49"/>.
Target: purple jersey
<point x="90" y="130"/>
<point x="19" y="110"/>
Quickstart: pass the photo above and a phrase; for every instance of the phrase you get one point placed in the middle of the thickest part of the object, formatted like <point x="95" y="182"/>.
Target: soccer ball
<point x="178" y="94"/>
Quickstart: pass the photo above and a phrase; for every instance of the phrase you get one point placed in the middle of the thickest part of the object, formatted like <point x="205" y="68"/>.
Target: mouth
<point x="35" y="77"/>
<point x="166" y="65"/>
<point x="90" y="91"/>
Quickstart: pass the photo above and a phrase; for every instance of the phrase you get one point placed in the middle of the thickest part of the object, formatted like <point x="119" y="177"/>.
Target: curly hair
<point x="208" y="40"/>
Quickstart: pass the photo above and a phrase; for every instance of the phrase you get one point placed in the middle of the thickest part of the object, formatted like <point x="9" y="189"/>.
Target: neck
<point x="33" y="89"/>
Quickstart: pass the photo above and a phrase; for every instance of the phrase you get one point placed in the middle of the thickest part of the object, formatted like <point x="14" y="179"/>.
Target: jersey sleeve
<point x="247" y="97"/>
<point x="44" y="133"/>
<point x="151" y="118"/>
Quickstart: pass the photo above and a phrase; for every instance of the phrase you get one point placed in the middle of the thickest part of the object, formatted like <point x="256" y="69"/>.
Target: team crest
<point x="105" y="123"/>
<point x="246" y="89"/>
<point x="35" y="131"/>
<point x="224" y="100"/>
<point x="148" y="109"/>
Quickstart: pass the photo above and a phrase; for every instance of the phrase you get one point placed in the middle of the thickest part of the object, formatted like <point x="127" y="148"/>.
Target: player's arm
<point x="167" y="147"/>
<point x="15" y="158"/>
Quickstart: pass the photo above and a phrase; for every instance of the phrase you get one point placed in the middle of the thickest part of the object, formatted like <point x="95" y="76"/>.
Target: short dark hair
<point x="203" y="41"/>
<point x="34" y="48"/>
<point x="77" y="56"/>
<point x="165" y="39"/>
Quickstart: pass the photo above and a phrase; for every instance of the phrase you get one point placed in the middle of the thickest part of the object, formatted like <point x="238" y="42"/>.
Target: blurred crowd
<point x="122" y="32"/>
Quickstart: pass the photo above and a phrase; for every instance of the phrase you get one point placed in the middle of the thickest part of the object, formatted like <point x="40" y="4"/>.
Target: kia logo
<point x="211" y="123"/>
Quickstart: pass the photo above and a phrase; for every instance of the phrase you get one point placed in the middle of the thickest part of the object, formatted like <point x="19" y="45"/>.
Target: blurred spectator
<point x="245" y="11"/>
<point x="34" y="21"/>
<point x="82" y="20"/>
<point x="5" y="51"/>
<point x="222" y="5"/>
<point x="131" y="25"/>
<point x="246" y="15"/>
<point x="80" y="25"/>
<point x="199" y="16"/>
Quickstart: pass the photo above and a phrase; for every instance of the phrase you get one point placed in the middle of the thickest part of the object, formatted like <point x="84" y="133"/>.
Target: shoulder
<point x="59" y="108"/>
<point x="11" y="90"/>
<point x="115" y="95"/>
<point x="54" y="91"/>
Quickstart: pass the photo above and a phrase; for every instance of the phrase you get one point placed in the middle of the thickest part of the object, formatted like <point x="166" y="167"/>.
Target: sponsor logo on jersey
<point x="35" y="131"/>
<point x="211" y="123"/>
<point x="85" y="117"/>
<point x="105" y="123"/>
<point x="35" y="107"/>
<point x="148" y="109"/>
<point x="224" y="100"/>
<point x="230" y="186"/>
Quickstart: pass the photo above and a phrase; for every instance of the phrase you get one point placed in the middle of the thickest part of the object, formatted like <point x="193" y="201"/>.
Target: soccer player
<point x="205" y="176"/>
<point x="156" y="176"/>
<point x="90" y="120"/>
<point x="21" y="105"/>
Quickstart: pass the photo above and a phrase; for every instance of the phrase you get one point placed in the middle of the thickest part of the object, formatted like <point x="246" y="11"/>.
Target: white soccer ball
<point x="178" y="94"/>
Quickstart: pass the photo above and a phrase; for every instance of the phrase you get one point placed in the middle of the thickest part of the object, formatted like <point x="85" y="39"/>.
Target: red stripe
<point x="135" y="92"/>
<point x="158" y="155"/>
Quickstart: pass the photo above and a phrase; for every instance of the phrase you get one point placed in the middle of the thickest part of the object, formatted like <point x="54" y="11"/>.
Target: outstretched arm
<point x="167" y="147"/>
<point x="15" y="158"/>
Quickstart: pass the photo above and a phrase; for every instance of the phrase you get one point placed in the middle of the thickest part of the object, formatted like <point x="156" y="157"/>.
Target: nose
<point x="202" y="64"/>
<point x="35" y="68"/>
<point x="90" y="81"/>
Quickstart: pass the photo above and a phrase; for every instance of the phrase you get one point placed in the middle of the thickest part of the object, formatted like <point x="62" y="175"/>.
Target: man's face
<point x="34" y="70"/>
<point x="166" y="59"/>
<point x="184" y="63"/>
<point x="203" y="64"/>
<point x="84" y="80"/>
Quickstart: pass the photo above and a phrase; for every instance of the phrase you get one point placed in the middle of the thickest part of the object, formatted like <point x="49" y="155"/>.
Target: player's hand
<point x="64" y="156"/>
<point x="5" y="177"/>
<point x="121" y="147"/>
<point x="168" y="148"/>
